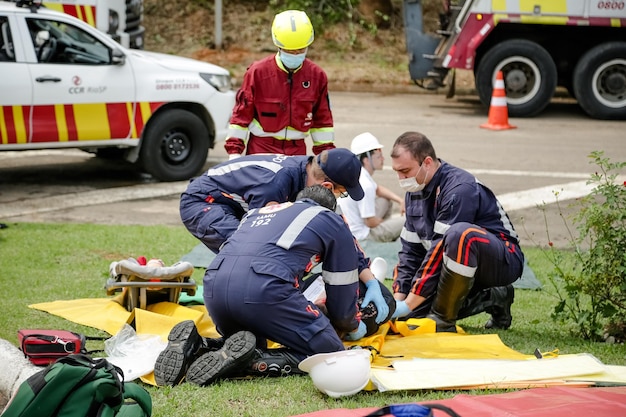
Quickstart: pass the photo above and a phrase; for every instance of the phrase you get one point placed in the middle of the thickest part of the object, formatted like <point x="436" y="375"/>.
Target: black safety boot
<point x="500" y="310"/>
<point x="495" y="301"/>
<point x="172" y="363"/>
<point x="232" y="357"/>
<point x="274" y="363"/>
<point x="451" y="293"/>
<point x="210" y="344"/>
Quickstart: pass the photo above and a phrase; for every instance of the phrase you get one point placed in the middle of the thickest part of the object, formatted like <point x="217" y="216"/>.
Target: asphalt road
<point x="523" y="166"/>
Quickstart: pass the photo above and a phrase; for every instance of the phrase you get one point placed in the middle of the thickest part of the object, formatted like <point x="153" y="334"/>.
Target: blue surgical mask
<point x="292" y="61"/>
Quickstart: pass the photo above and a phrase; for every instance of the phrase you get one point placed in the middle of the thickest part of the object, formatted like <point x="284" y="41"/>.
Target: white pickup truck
<point x="64" y="84"/>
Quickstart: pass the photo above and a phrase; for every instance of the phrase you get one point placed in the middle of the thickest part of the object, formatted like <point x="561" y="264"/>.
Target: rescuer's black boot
<point x="228" y="360"/>
<point x="451" y="293"/>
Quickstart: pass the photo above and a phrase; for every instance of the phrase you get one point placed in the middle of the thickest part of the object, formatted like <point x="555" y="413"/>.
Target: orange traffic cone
<point x="498" y="110"/>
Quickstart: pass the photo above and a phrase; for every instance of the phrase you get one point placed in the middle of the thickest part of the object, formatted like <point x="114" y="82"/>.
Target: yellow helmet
<point x="292" y="30"/>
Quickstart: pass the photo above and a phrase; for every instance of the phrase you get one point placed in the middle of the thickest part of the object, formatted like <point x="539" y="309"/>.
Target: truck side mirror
<point x="118" y="57"/>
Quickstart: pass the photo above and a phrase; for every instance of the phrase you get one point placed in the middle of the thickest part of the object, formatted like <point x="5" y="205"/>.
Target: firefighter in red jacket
<point x="283" y="98"/>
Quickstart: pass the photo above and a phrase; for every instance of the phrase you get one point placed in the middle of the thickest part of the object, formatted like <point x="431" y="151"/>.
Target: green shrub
<point x="590" y="281"/>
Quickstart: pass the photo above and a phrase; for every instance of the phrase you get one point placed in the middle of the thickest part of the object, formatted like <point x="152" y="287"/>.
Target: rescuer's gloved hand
<point x="358" y="333"/>
<point x="232" y="156"/>
<point x="373" y="294"/>
<point x="402" y="309"/>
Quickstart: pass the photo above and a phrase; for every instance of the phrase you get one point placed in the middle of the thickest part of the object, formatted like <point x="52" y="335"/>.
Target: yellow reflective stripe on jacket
<point x="322" y="136"/>
<point x="288" y="133"/>
<point x="239" y="132"/>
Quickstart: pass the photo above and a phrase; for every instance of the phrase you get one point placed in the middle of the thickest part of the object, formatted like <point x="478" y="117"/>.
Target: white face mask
<point x="410" y="185"/>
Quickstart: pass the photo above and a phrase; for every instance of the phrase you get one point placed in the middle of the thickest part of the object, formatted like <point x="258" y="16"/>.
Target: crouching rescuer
<point x="460" y="253"/>
<point x="253" y="291"/>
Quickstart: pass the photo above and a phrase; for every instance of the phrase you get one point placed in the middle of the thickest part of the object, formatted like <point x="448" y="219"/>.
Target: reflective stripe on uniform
<point x="236" y="131"/>
<point x="410" y="237"/>
<point x="413" y="237"/>
<point x="440" y="228"/>
<point x="340" y="278"/>
<point x="236" y="165"/>
<point x="466" y="271"/>
<point x="321" y="136"/>
<point x="506" y="222"/>
<point x="298" y="224"/>
<point x="288" y="133"/>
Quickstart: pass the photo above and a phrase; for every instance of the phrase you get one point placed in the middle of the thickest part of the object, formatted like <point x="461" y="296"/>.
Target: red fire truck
<point x="538" y="45"/>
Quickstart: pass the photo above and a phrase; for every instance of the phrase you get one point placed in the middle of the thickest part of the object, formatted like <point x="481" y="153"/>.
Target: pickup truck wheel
<point x="600" y="81"/>
<point x="529" y="76"/>
<point x="175" y="146"/>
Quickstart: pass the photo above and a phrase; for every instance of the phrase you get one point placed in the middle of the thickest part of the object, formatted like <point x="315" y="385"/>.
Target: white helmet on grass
<point x="339" y="374"/>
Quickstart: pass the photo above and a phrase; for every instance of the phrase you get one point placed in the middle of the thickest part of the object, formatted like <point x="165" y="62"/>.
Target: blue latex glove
<point x="402" y="309"/>
<point x="373" y="294"/>
<point x="358" y="334"/>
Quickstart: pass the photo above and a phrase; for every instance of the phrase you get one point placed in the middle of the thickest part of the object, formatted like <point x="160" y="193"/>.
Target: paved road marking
<point x="512" y="173"/>
<point x="544" y="195"/>
<point x="91" y="198"/>
<point x="510" y="201"/>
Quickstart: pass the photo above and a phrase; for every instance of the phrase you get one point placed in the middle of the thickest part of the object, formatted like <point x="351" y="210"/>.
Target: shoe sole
<point x="237" y="351"/>
<point x="172" y="363"/>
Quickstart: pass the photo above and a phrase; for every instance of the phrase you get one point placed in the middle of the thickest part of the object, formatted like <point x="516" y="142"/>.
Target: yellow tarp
<point x="107" y="315"/>
<point x="416" y="338"/>
<point x="421" y="373"/>
<point x="408" y="356"/>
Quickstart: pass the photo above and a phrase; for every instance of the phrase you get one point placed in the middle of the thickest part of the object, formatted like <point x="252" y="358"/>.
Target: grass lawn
<point x="48" y="262"/>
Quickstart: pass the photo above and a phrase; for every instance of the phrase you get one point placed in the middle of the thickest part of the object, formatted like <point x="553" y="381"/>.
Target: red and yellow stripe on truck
<point x="529" y="6"/>
<point x="74" y="122"/>
<point x="480" y="23"/>
<point x="84" y="12"/>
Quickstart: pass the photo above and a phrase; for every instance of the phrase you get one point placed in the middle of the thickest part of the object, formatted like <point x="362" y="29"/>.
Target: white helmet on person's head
<point x="292" y="30"/>
<point x="365" y="142"/>
<point x="339" y="374"/>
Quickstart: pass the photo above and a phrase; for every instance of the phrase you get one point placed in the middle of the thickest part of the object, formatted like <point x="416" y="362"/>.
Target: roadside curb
<point x="408" y="88"/>
<point x="395" y="89"/>
<point x="14" y="369"/>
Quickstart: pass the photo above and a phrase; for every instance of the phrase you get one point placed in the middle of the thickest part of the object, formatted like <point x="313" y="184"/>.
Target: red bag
<point x="42" y="347"/>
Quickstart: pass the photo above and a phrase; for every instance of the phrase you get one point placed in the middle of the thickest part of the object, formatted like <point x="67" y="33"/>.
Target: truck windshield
<point x="58" y="42"/>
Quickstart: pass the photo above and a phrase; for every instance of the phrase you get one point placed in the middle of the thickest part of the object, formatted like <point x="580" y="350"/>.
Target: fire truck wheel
<point x="600" y="81"/>
<point x="175" y="146"/>
<point x="529" y="76"/>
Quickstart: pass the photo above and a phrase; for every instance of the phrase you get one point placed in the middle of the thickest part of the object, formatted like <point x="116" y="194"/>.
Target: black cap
<point x="343" y="168"/>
